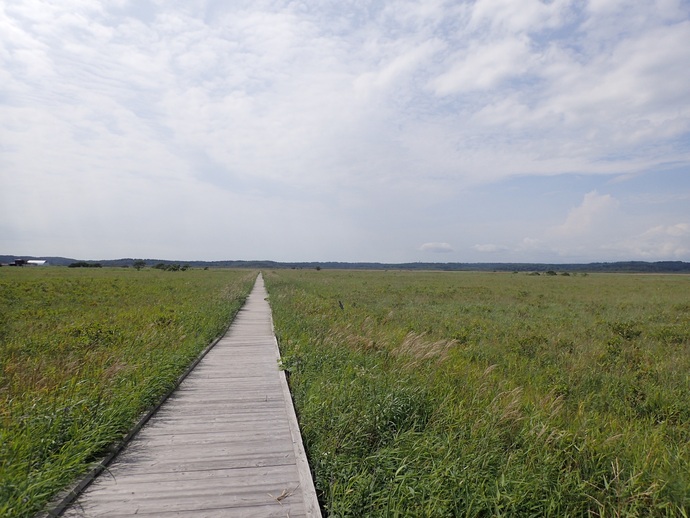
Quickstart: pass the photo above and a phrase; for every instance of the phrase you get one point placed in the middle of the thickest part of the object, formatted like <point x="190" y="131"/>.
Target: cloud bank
<point x="437" y="248"/>
<point x="288" y="130"/>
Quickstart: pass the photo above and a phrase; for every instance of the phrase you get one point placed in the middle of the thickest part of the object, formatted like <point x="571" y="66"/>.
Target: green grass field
<point x="83" y="353"/>
<point x="479" y="394"/>
<point x="419" y="394"/>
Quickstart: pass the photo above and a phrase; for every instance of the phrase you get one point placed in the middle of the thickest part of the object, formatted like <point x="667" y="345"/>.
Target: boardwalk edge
<point x="311" y="502"/>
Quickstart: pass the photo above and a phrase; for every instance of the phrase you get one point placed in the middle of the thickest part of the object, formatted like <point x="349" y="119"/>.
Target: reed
<point x="479" y="394"/>
<point x="83" y="353"/>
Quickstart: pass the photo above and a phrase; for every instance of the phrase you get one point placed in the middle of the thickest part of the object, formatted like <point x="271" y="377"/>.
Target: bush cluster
<point x="172" y="267"/>
<point x="84" y="264"/>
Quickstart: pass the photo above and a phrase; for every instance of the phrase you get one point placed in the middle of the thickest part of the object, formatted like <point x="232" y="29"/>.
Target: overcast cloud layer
<point x="493" y="130"/>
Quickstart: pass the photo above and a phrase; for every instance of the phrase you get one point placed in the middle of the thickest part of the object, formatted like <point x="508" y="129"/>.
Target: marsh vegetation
<point x="479" y="394"/>
<point x="418" y="394"/>
<point x="83" y="353"/>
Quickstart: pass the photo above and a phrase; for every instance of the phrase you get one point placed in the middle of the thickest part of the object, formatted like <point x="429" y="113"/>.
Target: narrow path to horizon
<point x="226" y="443"/>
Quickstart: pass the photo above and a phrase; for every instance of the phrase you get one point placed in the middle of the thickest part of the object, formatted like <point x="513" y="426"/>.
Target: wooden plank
<point x="225" y="443"/>
<point x="264" y="511"/>
<point x="203" y="462"/>
<point x="242" y="505"/>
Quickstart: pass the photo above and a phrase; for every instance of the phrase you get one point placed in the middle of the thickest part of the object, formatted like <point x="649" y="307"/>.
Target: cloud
<point x="436" y="248"/>
<point x="590" y="215"/>
<point x="360" y="112"/>
<point x="280" y="92"/>
<point x="603" y="227"/>
<point x="490" y="248"/>
<point x="505" y="16"/>
<point x="669" y="241"/>
<point x="404" y="62"/>
<point x="484" y="66"/>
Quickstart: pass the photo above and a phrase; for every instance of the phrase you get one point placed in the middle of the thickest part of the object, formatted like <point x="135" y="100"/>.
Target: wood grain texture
<point x="226" y="443"/>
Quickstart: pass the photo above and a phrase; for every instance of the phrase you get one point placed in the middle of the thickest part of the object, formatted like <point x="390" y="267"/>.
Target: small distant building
<point x="30" y="262"/>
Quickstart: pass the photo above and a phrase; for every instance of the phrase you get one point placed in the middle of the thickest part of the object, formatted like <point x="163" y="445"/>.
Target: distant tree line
<point x="613" y="267"/>
<point x="168" y="267"/>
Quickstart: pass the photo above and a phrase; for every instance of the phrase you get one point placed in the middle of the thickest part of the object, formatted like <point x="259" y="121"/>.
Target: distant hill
<point x="614" y="267"/>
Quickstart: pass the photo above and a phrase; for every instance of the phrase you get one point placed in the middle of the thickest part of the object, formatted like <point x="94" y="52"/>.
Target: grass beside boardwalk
<point x="83" y="353"/>
<point x="468" y="394"/>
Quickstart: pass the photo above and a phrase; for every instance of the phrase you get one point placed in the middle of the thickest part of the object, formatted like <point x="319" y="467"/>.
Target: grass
<point x="83" y="353"/>
<point x="479" y="394"/>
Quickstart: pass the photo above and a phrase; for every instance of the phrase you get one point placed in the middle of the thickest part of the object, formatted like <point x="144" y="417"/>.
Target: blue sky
<point x="478" y="131"/>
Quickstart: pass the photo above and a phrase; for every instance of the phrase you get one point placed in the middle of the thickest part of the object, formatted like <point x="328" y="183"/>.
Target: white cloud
<point x="590" y="216"/>
<point x="406" y="62"/>
<point x="602" y="228"/>
<point x="484" y="66"/>
<point x="352" y="110"/>
<point x="599" y="7"/>
<point x="506" y="16"/>
<point x="661" y="241"/>
<point x="618" y="95"/>
<point x="490" y="248"/>
<point x="441" y="248"/>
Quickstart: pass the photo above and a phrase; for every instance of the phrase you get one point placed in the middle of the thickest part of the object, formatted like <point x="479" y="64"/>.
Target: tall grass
<point x="468" y="394"/>
<point x="83" y="353"/>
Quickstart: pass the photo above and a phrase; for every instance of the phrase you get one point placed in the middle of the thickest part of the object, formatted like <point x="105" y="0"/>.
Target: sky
<point x="346" y="130"/>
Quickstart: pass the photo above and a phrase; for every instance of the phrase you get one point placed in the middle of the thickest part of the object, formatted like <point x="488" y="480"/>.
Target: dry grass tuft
<point x="420" y="350"/>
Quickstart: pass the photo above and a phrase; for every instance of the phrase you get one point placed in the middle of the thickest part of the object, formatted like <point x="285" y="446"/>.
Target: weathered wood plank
<point x="246" y="504"/>
<point x="224" y="444"/>
<point x="206" y="462"/>
<point x="264" y="511"/>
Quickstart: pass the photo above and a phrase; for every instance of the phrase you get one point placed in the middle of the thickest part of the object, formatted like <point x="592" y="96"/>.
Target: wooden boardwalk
<point x="226" y="443"/>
